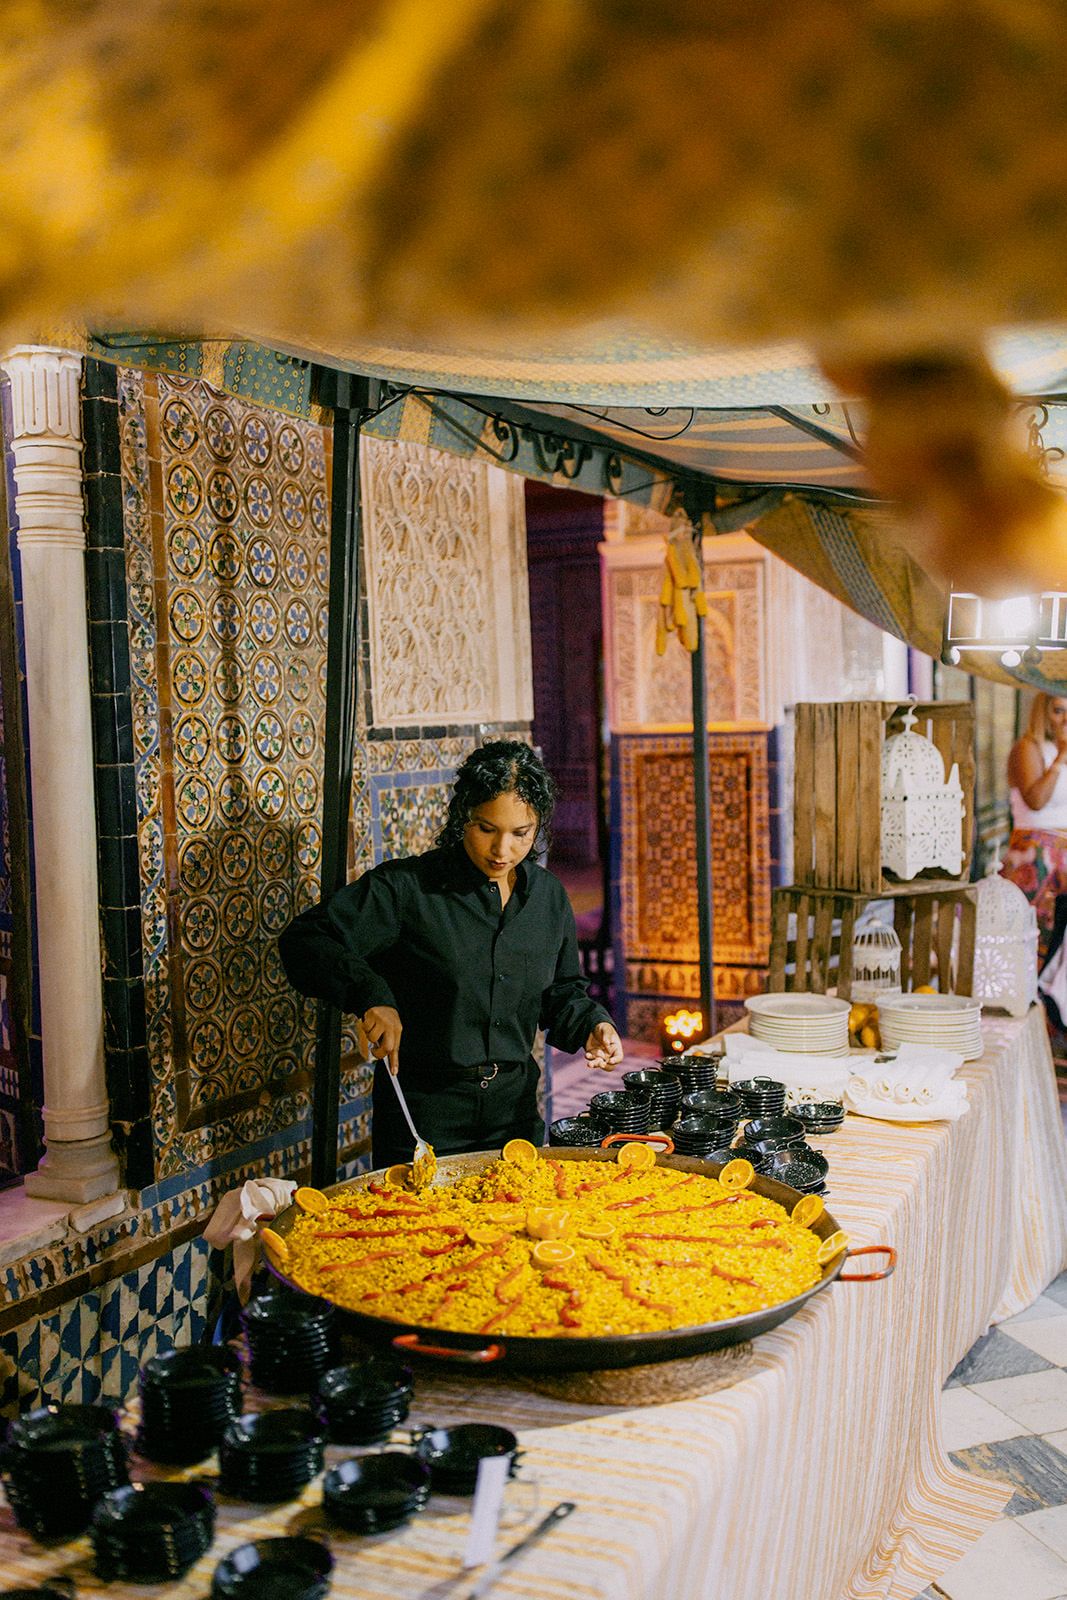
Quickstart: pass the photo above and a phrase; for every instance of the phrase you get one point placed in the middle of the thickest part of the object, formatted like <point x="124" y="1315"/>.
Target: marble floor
<point x="1005" y="1417"/>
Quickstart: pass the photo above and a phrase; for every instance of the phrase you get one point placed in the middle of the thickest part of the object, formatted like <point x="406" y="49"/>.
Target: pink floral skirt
<point x="1036" y="860"/>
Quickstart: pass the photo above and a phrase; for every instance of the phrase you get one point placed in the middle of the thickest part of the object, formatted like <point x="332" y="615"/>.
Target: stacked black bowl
<point x="800" y="1167"/>
<point x="761" y="1097"/>
<point x="581" y="1131"/>
<point x="188" y="1397"/>
<point x="272" y="1455"/>
<point x="364" y="1402"/>
<point x="664" y="1090"/>
<point x="151" y="1532"/>
<point x="370" y="1494"/>
<point x="274" y="1569"/>
<point x="721" y="1106"/>
<point x="58" y="1461"/>
<point x="824" y="1116"/>
<point x="453" y="1454"/>
<point x="773" y="1133"/>
<point x="290" y="1340"/>
<point x="621" y="1111"/>
<point x="746" y="1152"/>
<point x="51" y="1589"/>
<point x="696" y="1072"/>
<point x="703" y="1137"/>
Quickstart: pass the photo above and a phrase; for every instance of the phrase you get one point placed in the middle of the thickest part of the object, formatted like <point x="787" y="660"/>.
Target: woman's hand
<point x="603" y="1048"/>
<point x="383" y="1028"/>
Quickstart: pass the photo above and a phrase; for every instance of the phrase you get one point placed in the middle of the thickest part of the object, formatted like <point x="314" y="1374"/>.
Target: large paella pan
<point x="527" y="1350"/>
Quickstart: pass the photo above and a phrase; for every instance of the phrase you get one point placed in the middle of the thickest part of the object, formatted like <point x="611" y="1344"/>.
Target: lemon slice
<point x="313" y="1201"/>
<point x="275" y="1244"/>
<point x="484" y="1233"/>
<point x="737" y="1175"/>
<point x="636" y="1157"/>
<point x="521" y="1153"/>
<point x="598" y="1228"/>
<point x="399" y="1177"/>
<point x="808" y="1209"/>
<point x="832" y="1247"/>
<point x="551" y="1254"/>
<point x="505" y="1216"/>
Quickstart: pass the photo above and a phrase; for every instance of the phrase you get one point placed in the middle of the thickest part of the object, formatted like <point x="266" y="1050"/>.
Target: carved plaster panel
<point x="445" y="553"/>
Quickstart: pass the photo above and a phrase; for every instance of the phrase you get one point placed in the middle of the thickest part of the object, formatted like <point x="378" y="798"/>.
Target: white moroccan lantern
<point x="1005" y="948"/>
<point x="922" y="814"/>
<point x="875" y="962"/>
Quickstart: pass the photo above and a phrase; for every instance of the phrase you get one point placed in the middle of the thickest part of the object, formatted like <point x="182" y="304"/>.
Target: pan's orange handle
<point x="449" y="1352"/>
<point x="869" y="1277"/>
<point x="639" y="1138"/>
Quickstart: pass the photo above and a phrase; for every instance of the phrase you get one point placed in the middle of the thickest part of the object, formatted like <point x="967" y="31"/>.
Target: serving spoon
<point x="424" y="1162"/>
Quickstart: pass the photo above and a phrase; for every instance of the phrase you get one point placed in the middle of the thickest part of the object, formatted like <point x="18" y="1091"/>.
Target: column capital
<point x="44" y="394"/>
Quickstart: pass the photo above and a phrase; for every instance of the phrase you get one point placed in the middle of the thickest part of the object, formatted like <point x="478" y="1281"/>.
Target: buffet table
<point x="818" y="1476"/>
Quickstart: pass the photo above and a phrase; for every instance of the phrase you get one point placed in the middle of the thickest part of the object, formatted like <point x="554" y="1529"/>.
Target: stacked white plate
<point x="804" y="1024"/>
<point x="951" y="1021"/>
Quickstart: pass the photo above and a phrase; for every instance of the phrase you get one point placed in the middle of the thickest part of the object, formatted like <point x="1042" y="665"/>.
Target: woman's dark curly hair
<point x="506" y="766"/>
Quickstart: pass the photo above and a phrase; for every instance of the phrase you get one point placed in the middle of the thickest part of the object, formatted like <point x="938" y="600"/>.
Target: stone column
<point x="79" y="1164"/>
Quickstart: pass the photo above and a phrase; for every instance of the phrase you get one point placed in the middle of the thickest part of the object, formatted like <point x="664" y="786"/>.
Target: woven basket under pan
<point x="653" y="1385"/>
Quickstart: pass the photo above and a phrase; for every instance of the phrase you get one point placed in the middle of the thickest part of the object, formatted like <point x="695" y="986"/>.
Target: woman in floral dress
<point x="1036" y="857"/>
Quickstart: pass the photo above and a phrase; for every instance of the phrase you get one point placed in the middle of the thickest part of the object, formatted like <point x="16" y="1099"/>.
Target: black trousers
<point x="455" y="1117"/>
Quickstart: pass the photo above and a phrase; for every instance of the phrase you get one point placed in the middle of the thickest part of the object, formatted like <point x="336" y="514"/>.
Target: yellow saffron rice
<point x="569" y="1248"/>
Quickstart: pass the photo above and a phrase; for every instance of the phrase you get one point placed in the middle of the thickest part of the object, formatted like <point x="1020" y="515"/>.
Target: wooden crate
<point x="934" y="923"/>
<point x="837" y="788"/>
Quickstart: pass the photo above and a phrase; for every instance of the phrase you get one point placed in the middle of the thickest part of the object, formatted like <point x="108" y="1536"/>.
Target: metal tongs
<point x="424" y="1157"/>
<point x="492" y="1573"/>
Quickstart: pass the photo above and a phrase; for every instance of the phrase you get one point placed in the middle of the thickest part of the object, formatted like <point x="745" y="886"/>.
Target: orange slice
<point x="484" y="1233"/>
<point x="636" y="1157"/>
<point x="598" y="1228"/>
<point x="505" y="1216"/>
<point x="313" y="1201"/>
<point x="549" y="1253"/>
<point x="275" y="1244"/>
<point x="808" y="1209"/>
<point x="399" y="1177"/>
<point x="737" y="1175"/>
<point x="832" y="1247"/>
<point x="521" y="1153"/>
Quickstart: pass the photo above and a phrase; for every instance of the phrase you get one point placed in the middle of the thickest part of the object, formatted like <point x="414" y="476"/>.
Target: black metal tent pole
<point x="702" y="805"/>
<point x="350" y="398"/>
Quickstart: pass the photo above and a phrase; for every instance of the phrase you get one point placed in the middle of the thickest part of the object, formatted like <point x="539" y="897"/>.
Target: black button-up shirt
<point x="427" y="935"/>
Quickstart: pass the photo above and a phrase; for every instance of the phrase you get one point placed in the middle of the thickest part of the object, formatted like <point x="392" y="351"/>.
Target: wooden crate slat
<point x="847" y="756"/>
<point x="902" y="915"/>
<point x="946" y="929"/>
<point x="825" y="785"/>
<point x="801" y="947"/>
<point x="779" y="940"/>
<point x="804" y="795"/>
<point x="820" y="943"/>
<point x="844" y="955"/>
<point x="869" y="800"/>
<point x="922" y="941"/>
<point x="965" y="956"/>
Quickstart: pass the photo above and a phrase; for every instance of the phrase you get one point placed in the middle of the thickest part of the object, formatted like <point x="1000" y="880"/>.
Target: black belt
<point x="482" y="1074"/>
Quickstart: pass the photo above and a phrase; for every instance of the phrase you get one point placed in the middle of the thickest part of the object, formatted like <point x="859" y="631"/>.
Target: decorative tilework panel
<point x="226" y="511"/>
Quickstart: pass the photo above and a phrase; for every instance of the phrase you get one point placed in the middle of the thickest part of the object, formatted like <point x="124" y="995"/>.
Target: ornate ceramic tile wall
<point x="655" y="915"/>
<point x="226" y="511"/>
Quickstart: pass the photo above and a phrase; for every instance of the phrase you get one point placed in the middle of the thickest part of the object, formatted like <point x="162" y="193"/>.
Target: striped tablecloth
<point x="821" y="1475"/>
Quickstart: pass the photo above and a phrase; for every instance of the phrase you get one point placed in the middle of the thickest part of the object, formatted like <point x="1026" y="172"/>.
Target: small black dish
<point x="575" y="1131"/>
<point x="371" y="1494"/>
<point x="188" y="1396"/>
<point x="364" y="1402"/>
<point x="618" y="1111"/>
<point x="822" y="1117"/>
<point x="271" y="1455"/>
<point x="717" y="1103"/>
<point x="151" y="1532"/>
<point x="747" y="1152"/>
<point x="51" y="1589"/>
<point x="57" y="1462"/>
<point x="780" y="1130"/>
<point x="800" y="1167"/>
<point x="274" y="1569"/>
<point x="453" y="1454"/>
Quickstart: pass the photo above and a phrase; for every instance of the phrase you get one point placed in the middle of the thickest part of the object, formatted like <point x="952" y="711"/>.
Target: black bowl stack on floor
<point x="151" y="1532"/>
<point x="664" y="1090"/>
<point x="188" y="1397"/>
<point x="621" y="1111"/>
<point x="272" y="1455"/>
<point x="761" y="1097"/>
<point x="364" y="1402"/>
<point x="290" y="1340"/>
<point x="581" y="1131"/>
<point x="453" y="1454"/>
<point x="274" y="1569"/>
<point x="59" y="1460"/>
<point x="371" y="1494"/>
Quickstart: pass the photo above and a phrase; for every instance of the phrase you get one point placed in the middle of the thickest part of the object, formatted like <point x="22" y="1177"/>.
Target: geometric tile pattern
<point x="226" y="510"/>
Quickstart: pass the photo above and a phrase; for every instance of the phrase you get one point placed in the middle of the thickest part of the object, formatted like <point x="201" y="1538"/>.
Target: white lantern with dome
<point x="922" y="811"/>
<point x="1005" y="949"/>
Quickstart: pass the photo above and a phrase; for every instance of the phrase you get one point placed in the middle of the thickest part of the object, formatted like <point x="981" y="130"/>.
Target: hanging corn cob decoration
<point x="681" y="599"/>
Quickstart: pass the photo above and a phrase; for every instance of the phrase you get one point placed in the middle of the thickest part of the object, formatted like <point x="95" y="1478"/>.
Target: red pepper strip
<point x="487" y="1255"/>
<point x="456" y="1288"/>
<point x="569" y="1320"/>
<point x="377" y="1188"/>
<point x="364" y="1261"/>
<point x="690" y="1238"/>
<point x="586" y="1188"/>
<point x="561" y="1178"/>
<point x="609" y="1272"/>
<point x="502" y="1315"/>
<point x="557" y="1283"/>
<point x="441" y="1249"/>
<point x="708" y="1205"/>
<point x="732" y="1277"/>
<point x="505" y="1280"/>
<point x="639" y="1200"/>
<point x="642" y="1300"/>
<point x="692" y="1177"/>
<point x="384" y="1211"/>
<point x="391" y="1233"/>
<point x="372" y="1294"/>
<point x="763" y="1222"/>
<point x="414" y="1285"/>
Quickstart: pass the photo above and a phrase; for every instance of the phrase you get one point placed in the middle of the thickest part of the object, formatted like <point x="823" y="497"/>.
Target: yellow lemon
<point x="550" y="1254"/>
<point x="505" y="1216"/>
<point x="808" y="1209"/>
<point x="858" y="1016"/>
<point x="832" y="1247"/>
<point x="313" y="1201"/>
<point x="275" y="1244"/>
<point x="399" y="1176"/>
<point x="521" y="1153"/>
<point x="597" y="1228"/>
<point x="636" y="1157"/>
<point x="484" y="1233"/>
<point x="547" y="1222"/>
<point x="869" y="1037"/>
<point x="924" y="988"/>
<point x="737" y="1175"/>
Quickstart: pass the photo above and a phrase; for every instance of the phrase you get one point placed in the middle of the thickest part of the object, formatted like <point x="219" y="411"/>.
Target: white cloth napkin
<point x="234" y="1222"/>
<point x="920" y="1079"/>
<point x="806" y="1078"/>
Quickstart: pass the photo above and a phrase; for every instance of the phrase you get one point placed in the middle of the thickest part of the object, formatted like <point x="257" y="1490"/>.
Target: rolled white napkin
<point x="947" y="1104"/>
<point x="234" y="1219"/>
